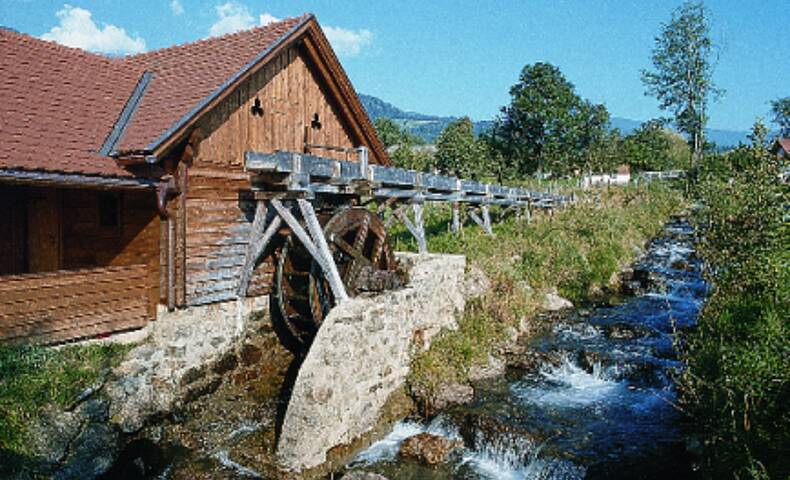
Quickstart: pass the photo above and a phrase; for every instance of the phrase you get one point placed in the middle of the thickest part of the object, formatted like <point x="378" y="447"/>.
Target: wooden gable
<point x="282" y="106"/>
<point x="295" y="83"/>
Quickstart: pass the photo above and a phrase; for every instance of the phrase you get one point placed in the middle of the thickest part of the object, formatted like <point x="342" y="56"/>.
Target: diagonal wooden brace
<point x="259" y="239"/>
<point x="314" y="243"/>
<point x="485" y="222"/>
<point x="416" y="227"/>
<point x="330" y="269"/>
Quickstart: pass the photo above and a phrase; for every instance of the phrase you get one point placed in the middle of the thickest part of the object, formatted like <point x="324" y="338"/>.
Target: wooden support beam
<point x="171" y="264"/>
<point x="456" y="226"/>
<point x="416" y="227"/>
<point x="422" y="244"/>
<point x="314" y="242"/>
<point x="300" y="232"/>
<point x="396" y="215"/>
<point x="259" y="240"/>
<point x="330" y="269"/>
<point x="473" y="215"/>
<point x="486" y="220"/>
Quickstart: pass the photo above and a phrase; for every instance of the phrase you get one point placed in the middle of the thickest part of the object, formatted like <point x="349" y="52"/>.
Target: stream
<point x="599" y="404"/>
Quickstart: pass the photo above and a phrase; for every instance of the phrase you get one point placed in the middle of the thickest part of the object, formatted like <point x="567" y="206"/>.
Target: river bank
<point x="582" y="255"/>
<point x="737" y="384"/>
<point x="590" y="396"/>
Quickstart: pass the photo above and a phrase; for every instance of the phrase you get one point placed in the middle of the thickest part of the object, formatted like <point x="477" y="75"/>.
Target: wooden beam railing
<point x="306" y="175"/>
<point x="288" y="180"/>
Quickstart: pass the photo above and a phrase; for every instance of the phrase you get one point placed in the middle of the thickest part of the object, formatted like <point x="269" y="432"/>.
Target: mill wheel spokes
<point x="357" y="239"/>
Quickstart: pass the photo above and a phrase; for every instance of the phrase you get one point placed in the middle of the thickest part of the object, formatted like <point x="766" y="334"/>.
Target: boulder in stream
<point x="451" y="394"/>
<point x="362" y="475"/>
<point x="625" y="331"/>
<point x="428" y="448"/>
<point x="553" y="302"/>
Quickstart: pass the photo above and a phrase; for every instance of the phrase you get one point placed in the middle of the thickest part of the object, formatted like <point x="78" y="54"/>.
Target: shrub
<point x="737" y="384"/>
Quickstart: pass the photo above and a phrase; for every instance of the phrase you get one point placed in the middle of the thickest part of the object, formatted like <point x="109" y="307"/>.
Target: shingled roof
<point x="58" y="104"/>
<point x="67" y="110"/>
<point x="781" y="144"/>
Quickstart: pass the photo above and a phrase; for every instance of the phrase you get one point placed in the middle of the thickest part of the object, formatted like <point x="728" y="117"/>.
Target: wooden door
<point x="43" y="230"/>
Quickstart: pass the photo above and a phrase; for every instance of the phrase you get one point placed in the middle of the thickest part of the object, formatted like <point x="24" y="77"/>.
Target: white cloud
<point x="348" y="43"/>
<point x="176" y="7"/>
<point x="232" y="18"/>
<point x="236" y="16"/>
<point x="267" y="18"/>
<point x="77" y="29"/>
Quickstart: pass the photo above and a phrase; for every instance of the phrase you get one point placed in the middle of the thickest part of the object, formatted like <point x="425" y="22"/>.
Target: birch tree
<point x="681" y="77"/>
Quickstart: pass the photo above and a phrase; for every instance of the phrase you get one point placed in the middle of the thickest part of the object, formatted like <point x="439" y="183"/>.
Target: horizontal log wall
<point x="66" y="305"/>
<point x="134" y="241"/>
<point x="218" y="231"/>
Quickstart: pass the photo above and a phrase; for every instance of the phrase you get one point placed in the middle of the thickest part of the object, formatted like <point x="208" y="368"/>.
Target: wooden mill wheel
<point x="302" y="297"/>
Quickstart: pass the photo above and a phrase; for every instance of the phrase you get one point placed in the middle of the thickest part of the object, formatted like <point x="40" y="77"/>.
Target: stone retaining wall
<point x="185" y="354"/>
<point x="361" y="355"/>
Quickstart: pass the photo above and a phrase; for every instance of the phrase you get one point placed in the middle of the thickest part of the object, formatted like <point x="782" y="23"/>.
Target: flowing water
<point x="600" y="403"/>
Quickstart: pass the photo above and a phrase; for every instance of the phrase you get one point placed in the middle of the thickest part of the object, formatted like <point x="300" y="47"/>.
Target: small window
<point x="109" y="210"/>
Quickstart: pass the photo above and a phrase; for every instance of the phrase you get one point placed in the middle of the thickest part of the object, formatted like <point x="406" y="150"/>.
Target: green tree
<point x="781" y="111"/>
<point x="547" y="127"/>
<point x="401" y="145"/>
<point x="391" y="134"/>
<point x="605" y="154"/>
<point x="682" y="73"/>
<point x="648" y="147"/>
<point x="412" y="157"/>
<point x="459" y="153"/>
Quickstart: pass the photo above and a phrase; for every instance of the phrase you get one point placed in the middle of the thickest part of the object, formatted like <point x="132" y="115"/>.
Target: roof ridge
<point x="55" y="45"/>
<point x="212" y="40"/>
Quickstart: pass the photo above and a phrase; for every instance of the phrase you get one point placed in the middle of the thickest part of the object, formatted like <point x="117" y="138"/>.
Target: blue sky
<point x="461" y="57"/>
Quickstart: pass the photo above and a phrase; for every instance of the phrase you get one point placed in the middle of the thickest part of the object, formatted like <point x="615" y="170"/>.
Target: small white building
<point x="622" y="176"/>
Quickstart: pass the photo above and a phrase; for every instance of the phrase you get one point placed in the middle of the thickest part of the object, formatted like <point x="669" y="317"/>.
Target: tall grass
<point x="32" y="378"/>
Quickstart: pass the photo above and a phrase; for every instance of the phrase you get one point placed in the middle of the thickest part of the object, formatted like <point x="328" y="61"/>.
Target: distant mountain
<point x="722" y="138"/>
<point x="625" y="125"/>
<point x="430" y="126"/>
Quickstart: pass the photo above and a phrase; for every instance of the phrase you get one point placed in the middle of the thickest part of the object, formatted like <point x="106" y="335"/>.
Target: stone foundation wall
<point x="362" y="354"/>
<point x="183" y="358"/>
<point x="186" y="354"/>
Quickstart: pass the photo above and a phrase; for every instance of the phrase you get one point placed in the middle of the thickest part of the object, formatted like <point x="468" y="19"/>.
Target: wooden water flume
<point x="308" y="210"/>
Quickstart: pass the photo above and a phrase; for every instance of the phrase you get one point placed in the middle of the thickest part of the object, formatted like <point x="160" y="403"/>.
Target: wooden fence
<point x="65" y="305"/>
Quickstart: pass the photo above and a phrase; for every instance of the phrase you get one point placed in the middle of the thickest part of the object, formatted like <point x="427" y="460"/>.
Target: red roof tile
<point x="57" y="105"/>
